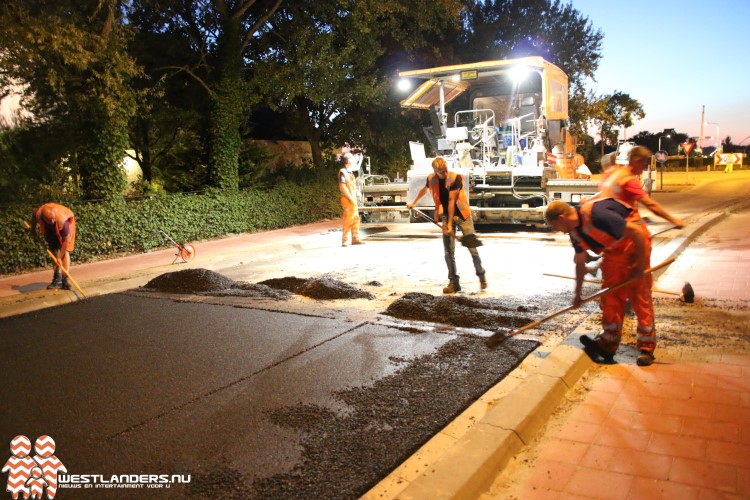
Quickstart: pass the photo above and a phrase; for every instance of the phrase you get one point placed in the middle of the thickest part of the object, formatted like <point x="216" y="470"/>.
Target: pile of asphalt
<point x="190" y="281"/>
<point x="345" y="454"/>
<point x="467" y="312"/>
<point x="205" y="282"/>
<point x="320" y="288"/>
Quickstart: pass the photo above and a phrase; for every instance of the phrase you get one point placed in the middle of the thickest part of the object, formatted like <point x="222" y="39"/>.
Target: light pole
<point x="718" y="137"/>
<point x="662" y="164"/>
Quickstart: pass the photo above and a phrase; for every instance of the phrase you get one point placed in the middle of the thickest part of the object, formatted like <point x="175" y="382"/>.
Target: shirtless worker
<point x="58" y="227"/>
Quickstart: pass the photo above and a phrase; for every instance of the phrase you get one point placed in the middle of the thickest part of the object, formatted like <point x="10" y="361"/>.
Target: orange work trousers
<point x="349" y="221"/>
<point x="617" y="265"/>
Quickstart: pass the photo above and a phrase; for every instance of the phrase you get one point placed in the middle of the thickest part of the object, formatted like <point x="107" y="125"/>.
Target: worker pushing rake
<point x="607" y="226"/>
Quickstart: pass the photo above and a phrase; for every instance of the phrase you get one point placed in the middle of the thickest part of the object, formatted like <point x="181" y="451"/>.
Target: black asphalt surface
<point x="246" y="401"/>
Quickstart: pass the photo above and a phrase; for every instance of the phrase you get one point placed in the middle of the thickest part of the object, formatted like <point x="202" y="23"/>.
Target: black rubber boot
<point x="65" y="283"/>
<point x="56" y="281"/>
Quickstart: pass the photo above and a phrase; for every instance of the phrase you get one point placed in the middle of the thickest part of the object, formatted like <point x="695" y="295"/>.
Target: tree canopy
<point x="185" y="83"/>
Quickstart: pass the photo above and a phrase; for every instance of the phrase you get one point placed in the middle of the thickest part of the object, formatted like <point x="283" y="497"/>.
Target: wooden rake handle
<point x="497" y="337"/>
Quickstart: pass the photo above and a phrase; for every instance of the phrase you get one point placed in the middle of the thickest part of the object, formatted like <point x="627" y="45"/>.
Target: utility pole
<point x="703" y="121"/>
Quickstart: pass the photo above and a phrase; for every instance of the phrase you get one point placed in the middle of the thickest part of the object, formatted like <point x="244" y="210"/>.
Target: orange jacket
<point x="461" y="202"/>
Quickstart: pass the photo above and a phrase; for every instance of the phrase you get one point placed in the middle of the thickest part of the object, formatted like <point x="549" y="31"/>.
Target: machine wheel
<point x="187" y="253"/>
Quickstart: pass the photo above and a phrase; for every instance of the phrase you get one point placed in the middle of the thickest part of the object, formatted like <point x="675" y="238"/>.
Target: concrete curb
<point x="465" y="467"/>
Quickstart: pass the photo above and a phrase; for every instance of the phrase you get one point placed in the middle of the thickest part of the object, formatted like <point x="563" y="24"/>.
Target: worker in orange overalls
<point x="58" y="227"/>
<point x="348" y="189"/>
<point x="452" y="207"/>
<point x="621" y="183"/>
<point x="604" y="226"/>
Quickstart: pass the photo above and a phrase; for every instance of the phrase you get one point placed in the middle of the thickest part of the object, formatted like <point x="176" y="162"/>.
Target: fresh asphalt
<point x="128" y="383"/>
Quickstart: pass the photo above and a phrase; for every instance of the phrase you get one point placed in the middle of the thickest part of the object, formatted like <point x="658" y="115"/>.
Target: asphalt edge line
<point x="466" y="467"/>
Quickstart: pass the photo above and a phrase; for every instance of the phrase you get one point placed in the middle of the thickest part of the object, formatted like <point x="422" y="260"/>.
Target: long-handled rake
<point x="657" y="290"/>
<point x="467" y="240"/>
<point x="500" y="335"/>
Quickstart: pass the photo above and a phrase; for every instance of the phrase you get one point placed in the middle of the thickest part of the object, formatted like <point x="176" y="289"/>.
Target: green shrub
<point x="109" y="228"/>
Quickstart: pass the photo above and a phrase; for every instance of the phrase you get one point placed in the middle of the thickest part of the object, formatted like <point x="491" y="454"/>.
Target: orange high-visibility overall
<point x="618" y="270"/>
<point x="350" y="217"/>
<point x="618" y="263"/>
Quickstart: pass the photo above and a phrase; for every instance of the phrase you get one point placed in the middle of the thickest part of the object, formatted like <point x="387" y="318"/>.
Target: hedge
<point x="110" y="228"/>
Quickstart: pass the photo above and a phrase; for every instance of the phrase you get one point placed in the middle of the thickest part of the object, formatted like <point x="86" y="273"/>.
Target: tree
<point x="220" y="35"/>
<point x="326" y="65"/>
<point x="501" y="29"/>
<point x="624" y="110"/>
<point x="70" y="57"/>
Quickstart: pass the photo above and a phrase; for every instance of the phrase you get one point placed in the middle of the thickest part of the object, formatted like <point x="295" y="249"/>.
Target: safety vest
<point x="461" y="202"/>
<point x="612" y="187"/>
<point x="586" y="235"/>
<point x="351" y="184"/>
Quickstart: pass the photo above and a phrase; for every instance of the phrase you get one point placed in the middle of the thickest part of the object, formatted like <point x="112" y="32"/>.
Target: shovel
<point x="468" y="240"/>
<point x="499" y="336"/>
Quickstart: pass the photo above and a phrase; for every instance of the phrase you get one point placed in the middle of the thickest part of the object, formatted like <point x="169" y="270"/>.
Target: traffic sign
<point x="687" y="147"/>
<point x="661" y="156"/>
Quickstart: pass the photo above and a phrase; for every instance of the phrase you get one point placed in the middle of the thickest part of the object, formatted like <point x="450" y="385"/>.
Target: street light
<point x="718" y="137"/>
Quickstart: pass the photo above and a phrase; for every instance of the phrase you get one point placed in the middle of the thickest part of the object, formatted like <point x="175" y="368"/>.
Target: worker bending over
<point x="58" y="227"/>
<point x="603" y="226"/>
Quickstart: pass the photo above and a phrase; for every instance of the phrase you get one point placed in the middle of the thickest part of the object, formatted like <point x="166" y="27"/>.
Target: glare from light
<point x="519" y="73"/>
<point x="456" y="78"/>
<point x="404" y="85"/>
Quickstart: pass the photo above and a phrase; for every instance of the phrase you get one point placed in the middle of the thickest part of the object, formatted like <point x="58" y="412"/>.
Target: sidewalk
<point x="678" y="429"/>
<point x="632" y="432"/>
<point x="27" y="292"/>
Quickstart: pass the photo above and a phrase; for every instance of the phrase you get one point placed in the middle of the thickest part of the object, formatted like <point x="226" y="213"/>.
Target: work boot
<point x="482" y="281"/>
<point x="56" y="281"/>
<point x="358" y="242"/>
<point x="344" y="244"/>
<point x="453" y="287"/>
<point x="645" y="359"/>
<point x="65" y="285"/>
<point x="594" y="351"/>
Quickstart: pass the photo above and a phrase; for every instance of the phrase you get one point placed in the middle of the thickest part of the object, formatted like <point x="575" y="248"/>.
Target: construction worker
<point x="622" y="184"/>
<point x="58" y="227"/>
<point x="604" y="226"/>
<point x="451" y="208"/>
<point x="348" y="189"/>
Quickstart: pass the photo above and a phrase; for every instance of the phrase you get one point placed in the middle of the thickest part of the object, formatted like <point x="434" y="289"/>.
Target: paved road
<point x="138" y="383"/>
